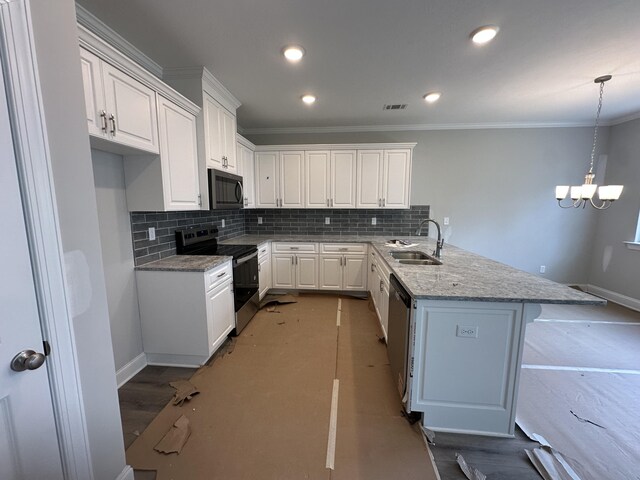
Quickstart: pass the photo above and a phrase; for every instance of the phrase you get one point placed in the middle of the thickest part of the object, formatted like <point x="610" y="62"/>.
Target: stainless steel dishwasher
<point x="398" y="333"/>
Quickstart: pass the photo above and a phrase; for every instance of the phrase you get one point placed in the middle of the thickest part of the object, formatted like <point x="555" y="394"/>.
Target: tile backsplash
<point x="274" y="221"/>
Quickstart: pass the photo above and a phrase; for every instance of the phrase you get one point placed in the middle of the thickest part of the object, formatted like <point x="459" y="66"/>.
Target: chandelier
<point x="582" y="194"/>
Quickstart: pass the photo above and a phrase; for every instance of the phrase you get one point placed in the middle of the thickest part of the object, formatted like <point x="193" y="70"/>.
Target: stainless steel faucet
<point x="440" y="242"/>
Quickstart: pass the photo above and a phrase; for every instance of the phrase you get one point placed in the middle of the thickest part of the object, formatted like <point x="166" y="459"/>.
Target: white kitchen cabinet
<point x="384" y="178"/>
<point x="245" y="158"/>
<point x="220" y="133"/>
<point x="343" y="266"/>
<point x="119" y="108"/>
<point x="169" y="181"/>
<point x="378" y="286"/>
<point x="330" y="179"/>
<point x="264" y="269"/>
<point x="185" y="316"/>
<point x="295" y="266"/>
<point x="279" y="179"/>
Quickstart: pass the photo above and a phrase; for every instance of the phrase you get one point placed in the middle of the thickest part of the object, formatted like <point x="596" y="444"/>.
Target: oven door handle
<point x="246" y="259"/>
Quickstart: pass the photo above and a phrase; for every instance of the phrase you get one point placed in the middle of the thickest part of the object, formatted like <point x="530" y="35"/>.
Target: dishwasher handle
<point x="399" y="291"/>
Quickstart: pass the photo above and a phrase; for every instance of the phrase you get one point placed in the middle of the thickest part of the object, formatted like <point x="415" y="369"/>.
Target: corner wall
<point x="614" y="267"/>
<point x="497" y="187"/>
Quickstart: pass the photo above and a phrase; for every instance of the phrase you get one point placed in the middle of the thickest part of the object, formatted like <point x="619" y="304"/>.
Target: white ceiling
<point x="362" y="54"/>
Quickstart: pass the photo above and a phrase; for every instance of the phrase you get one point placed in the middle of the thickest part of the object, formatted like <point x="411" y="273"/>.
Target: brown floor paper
<point x="175" y="438"/>
<point x="185" y="390"/>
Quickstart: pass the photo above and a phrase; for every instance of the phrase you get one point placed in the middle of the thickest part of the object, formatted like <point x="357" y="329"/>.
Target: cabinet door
<point x="283" y="271"/>
<point x="397" y="170"/>
<point x="369" y="179"/>
<point x="331" y="272"/>
<point x="264" y="275"/>
<point x="384" y="308"/>
<point x="220" y="315"/>
<point x="248" y="176"/>
<point x="229" y="140"/>
<point x="131" y="110"/>
<point x="292" y="179"/>
<point x="93" y="93"/>
<point x="317" y="190"/>
<point x="343" y="178"/>
<point x="266" y="181"/>
<point x="178" y="157"/>
<point x="306" y="271"/>
<point x="355" y="272"/>
<point x="213" y="132"/>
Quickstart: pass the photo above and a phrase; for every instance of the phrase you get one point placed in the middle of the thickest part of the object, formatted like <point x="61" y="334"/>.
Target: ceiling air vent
<point x="395" y="106"/>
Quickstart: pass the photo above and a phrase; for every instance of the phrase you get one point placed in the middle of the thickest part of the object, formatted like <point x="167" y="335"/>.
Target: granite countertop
<point x="462" y="276"/>
<point x="185" y="263"/>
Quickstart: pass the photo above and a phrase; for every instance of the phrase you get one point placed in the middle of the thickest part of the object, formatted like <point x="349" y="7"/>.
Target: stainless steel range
<point x="204" y="241"/>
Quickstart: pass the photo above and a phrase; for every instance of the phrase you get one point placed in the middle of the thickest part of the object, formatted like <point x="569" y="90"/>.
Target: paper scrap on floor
<point x="185" y="390"/>
<point x="277" y="299"/>
<point x="175" y="438"/>
<point x="471" y="473"/>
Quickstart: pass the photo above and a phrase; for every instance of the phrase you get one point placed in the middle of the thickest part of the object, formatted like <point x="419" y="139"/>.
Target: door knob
<point x="27" y="360"/>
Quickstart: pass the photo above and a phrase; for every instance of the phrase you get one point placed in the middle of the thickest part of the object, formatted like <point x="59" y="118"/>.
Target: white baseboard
<point x="629" y="302"/>
<point x="127" y="372"/>
<point x="126" y="474"/>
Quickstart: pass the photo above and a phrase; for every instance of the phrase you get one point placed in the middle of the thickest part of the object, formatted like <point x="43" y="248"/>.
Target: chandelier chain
<point x="595" y="131"/>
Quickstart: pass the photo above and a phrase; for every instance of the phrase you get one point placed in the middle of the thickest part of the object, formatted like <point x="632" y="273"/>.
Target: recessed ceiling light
<point x="308" y="99"/>
<point x="293" y="53"/>
<point x="483" y="35"/>
<point x="432" y="97"/>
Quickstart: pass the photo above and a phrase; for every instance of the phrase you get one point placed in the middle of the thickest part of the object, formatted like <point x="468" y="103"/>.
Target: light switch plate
<point x="466" y="331"/>
<point x="152" y="233"/>
<point x="446" y="221"/>
<point x="223" y="223"/>
<point x="327" y="220"/>
<point x="259" y="220"/>
<point x="373" y="221"/>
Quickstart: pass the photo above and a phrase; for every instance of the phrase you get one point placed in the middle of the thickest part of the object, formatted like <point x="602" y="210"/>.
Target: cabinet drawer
<point x="282" y="247"/>
<point x="218" y="275"/>
<point x="344" y="248"/>
<point x="264" y="250"/>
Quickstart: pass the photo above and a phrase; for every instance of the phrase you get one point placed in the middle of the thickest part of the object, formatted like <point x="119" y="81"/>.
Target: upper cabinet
<point x="220" y="133"/>
<point x="120" y="109"/>
<point x="246" y="169"/>
<point x="333" y="176"/>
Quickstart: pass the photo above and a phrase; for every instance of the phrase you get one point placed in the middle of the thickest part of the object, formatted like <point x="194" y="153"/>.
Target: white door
<point x="266" y="180"/>
<point x="93" y="94"/>
<point x="213" y="132"/>
<point x="369" y="178"/>
<point x="292" y="179"/>
<point x="229" y="140"/>
<point x="131" y="110"/>
<point x="317" y="191"/>
<point x="179" y="157"/>
<point x="343" y="178"/>
<point x="331" y="272"/>
<point x="283" y="270"/>
<point x="397" y="167"/>
<point x="28" y="438"/>
<point x="307" y="271"/>
<point x="355" y="272"/>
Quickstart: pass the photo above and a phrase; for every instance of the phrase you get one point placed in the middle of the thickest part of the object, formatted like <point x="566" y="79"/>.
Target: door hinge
<point x="46" y="346"/>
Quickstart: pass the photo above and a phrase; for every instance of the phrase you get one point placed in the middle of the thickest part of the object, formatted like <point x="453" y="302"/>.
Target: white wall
<point x="497" y="187"/>
<point x="56" y="45"/>
<point x="613" y="266"/>
<point x="117" y="257"/>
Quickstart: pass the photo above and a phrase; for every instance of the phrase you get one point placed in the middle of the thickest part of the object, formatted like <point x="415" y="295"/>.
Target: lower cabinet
<point x="264" y="269"/>
<point x="185" y="316"/>
<point x="343" y="267"/>
<point x="378" y="286"/>
<point x="295" y="266"/>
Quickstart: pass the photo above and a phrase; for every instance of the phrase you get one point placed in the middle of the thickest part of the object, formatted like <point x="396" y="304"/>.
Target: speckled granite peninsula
<point x="462" y="276"/>
<point x="185" y="263"/>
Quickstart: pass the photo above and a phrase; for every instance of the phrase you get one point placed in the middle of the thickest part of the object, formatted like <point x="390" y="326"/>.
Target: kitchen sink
<point x="415" y="258"/>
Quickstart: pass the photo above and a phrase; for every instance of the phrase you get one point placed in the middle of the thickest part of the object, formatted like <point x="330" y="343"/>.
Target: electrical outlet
<point x="373" y="221"/>
<point x="543" y="268"/>
<point x="327" y="220"/>
<point x="445" y="221"/>
<point x="259" y="220"/>
<point x="223" y="223"/>
<point x="152" y="233"/>
<point x="466" y="331"/>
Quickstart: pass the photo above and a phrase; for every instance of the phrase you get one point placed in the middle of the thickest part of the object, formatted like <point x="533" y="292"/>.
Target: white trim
<point x="625" y="119"/>
<point x="625" y="301"/>
<point x="334" y="146"/>
<point x="34" y="171"/>
<point x="469" y="432"/>
<point x="633" y="245"/>
<point x="127" y="372"/>
<point x="243" y="141"/>
<point x="411" y="127"/>
<point x="210" y="84"/>
<point x="126" y="474"/>
<point x="92" y="23"/>
<point x="560" y="368"/>
<point x="96" y="45"/>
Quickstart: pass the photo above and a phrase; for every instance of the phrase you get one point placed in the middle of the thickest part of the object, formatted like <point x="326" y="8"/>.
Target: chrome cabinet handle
<point x="113" y="124"/>
<point x="222" y="274"/>
<point x="381" y="287"/>
<point x="259" y="267"/>
<point x="200" y="199"/>
<point x="103" y="120"/>
<point x="293" y="262"/>
<point x="379" y="202"/>
<point x="384" y="202"/>
<point x="294" y="248"/>
<point x="327" y="202"/>
<point x="373" y="267"/>
<point x="332" y="202"/>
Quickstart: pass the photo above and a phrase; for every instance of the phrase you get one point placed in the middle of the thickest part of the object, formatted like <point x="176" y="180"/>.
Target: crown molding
<point x="411" y="127"/>
<point x="625" y="119"/>
<point x="243" y="141"/>
<point x="96" y="26"/>
<point x="334" y="146"/>
<point x="210" y="84"/>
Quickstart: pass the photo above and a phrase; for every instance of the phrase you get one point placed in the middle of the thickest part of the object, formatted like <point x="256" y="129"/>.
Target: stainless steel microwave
<point x="225" y="190"/>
